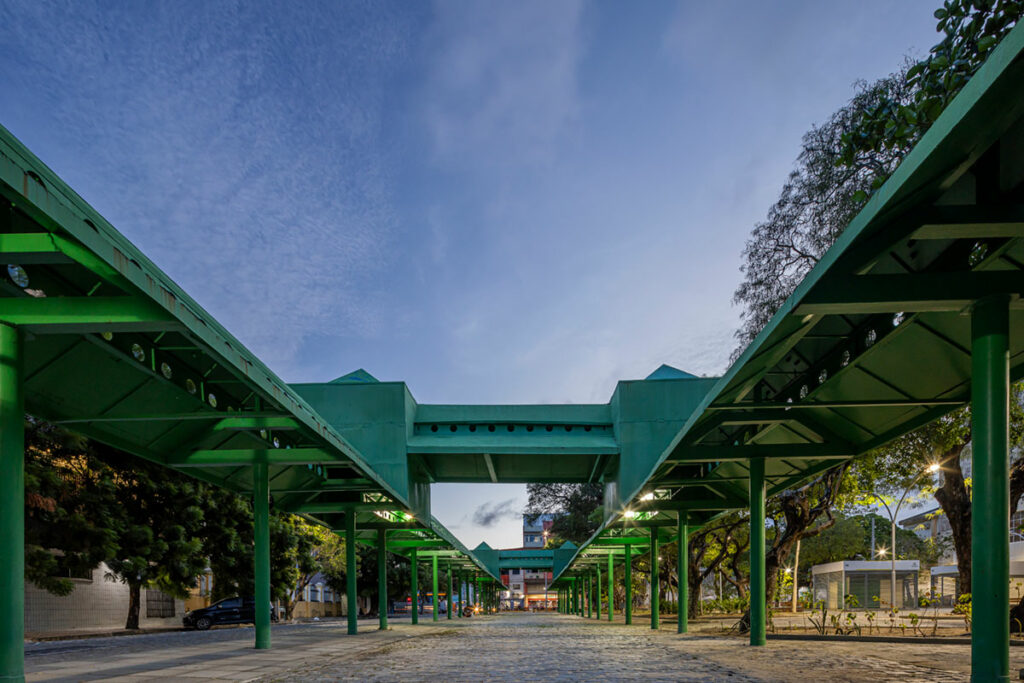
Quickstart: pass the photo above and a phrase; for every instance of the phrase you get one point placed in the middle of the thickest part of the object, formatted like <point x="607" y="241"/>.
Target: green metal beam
<point x="51" y="248"/>
<point x="62" y="315"/>
<point x="328" y="507"/>
<point x="247" y="422"/>
<point x="917" y="292"/>
<point x="418" y="543"/>
<point x="804" y="405"/>
<point x="232" y="457"/>
<point x="700" y="453"/>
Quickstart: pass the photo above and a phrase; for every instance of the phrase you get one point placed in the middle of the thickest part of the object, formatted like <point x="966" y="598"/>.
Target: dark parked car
<point x="227" y="611"/>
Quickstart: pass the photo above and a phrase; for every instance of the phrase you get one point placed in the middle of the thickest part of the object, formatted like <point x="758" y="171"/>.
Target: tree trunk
<point x="955" y="501"/>
<point x="289" y="607"/>
<point x="134" y="603"/>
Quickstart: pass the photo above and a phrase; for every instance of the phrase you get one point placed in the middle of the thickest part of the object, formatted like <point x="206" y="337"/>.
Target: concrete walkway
<point x="511" y="646"/>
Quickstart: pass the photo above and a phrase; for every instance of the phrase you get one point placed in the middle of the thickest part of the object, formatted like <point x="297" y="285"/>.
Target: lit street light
<point x="892" y="512"/>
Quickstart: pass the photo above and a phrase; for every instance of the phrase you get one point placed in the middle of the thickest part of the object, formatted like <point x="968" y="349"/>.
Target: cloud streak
<point x="490" y="513"/>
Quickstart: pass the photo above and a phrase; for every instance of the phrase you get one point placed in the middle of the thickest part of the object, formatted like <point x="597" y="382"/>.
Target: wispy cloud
<point x="246" y="154"/>
<point x="503" y="86"/>
<point x="491" y="513"/>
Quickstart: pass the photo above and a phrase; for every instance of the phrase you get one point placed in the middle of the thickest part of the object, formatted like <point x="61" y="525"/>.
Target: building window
<point x="159" y="605"/>
<point x="314" y="593"/>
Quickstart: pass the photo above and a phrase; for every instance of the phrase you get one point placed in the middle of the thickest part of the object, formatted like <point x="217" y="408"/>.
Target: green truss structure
<point x="915" y="311"/>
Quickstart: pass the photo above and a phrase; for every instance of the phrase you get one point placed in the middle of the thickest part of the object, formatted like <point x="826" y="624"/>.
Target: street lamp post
<point x="892" y="512"/>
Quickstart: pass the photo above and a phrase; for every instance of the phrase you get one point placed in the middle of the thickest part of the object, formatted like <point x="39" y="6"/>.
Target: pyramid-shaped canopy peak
<point x="360" y="376"/>
<point x="669" y="372"/>
<point x="483" y="546"/>
<point x="568" y="545"/>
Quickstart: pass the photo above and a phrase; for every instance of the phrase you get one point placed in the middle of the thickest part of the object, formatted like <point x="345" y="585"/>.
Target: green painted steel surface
<point x="682" y="574"/>
<point x="628" y="579"/>
<point x="758" y="613"/>
<point x="597" y="594"/>
<point x="382" y="578"/>
<point x="451" y="595"/>
<point x="352" y="609"/>
<point x="611" y="587"/>
<point x="414" y="586"/>
<point x="990" y="524"/>
<point x="589" y="596"/>
<point x="261" y="554"/>
<point x="871" y="344"/>
<point x="12" y="507"/>
<point x="435" y="588"/>
<point x="655" y="581"/>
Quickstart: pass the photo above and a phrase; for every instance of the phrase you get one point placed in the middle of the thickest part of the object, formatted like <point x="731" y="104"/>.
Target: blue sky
<point x="495" y="202"/>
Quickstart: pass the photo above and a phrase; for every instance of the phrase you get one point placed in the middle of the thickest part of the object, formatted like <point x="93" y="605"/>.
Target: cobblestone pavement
<point x="513" y="647"/>
<point x="222" y="654"/>
<point x="546" y="647"/>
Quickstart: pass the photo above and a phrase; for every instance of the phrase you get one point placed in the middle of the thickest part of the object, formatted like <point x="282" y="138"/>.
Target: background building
<point x="98" y="602"/>
<point x="536" y="530"/>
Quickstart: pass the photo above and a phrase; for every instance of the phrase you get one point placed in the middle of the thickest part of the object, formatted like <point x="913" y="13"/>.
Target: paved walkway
<point x="513" y="647"/>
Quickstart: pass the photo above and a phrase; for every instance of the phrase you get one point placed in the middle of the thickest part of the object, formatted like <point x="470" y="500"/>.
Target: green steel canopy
<point x="876" y="340"/>
<point x="120" y="353"/>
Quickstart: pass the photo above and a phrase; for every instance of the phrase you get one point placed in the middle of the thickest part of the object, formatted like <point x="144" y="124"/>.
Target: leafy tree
<point x="845" y="540"/>
<point x="819" y="199"/>
<point x="577" y="509"/>
<point x="708" y="549"/>
<point x="946" y="442"/>
<point x="798" y="514"/>
<point x="971" y="30"/>
<point x="69" y="508"/>
<point x="227" y="543"/>
<point x="157" y="526"/>
<point x="841" y="163"/>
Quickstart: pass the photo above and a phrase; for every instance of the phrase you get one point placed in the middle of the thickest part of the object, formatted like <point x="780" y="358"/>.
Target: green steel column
<point x="477" y="597"/>
<point x="382" y="577"/>
<point x="414" y="586"/>
<point x="757" y="568"/>
<point x="578" y="603"/>
<point x="628" y="578"/>
<point x="350" y="571"/>
<point x="458" y="585"/>
<point x="611" y="586"/>
<point x="682" y="574"/>
<point x="655" y="581"/>
<point x="12" y="507"/>
<point x="261" y="553"/>
<point x="590" y="595"/>
<point x="990" y="523"/>
<point x="597" y="593"/>
<point x="451" y="593"/>
<point x="437" y="598"/>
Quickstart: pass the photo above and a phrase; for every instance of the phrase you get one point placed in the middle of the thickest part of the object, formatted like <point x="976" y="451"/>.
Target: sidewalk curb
<point x="881" y="639"/>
